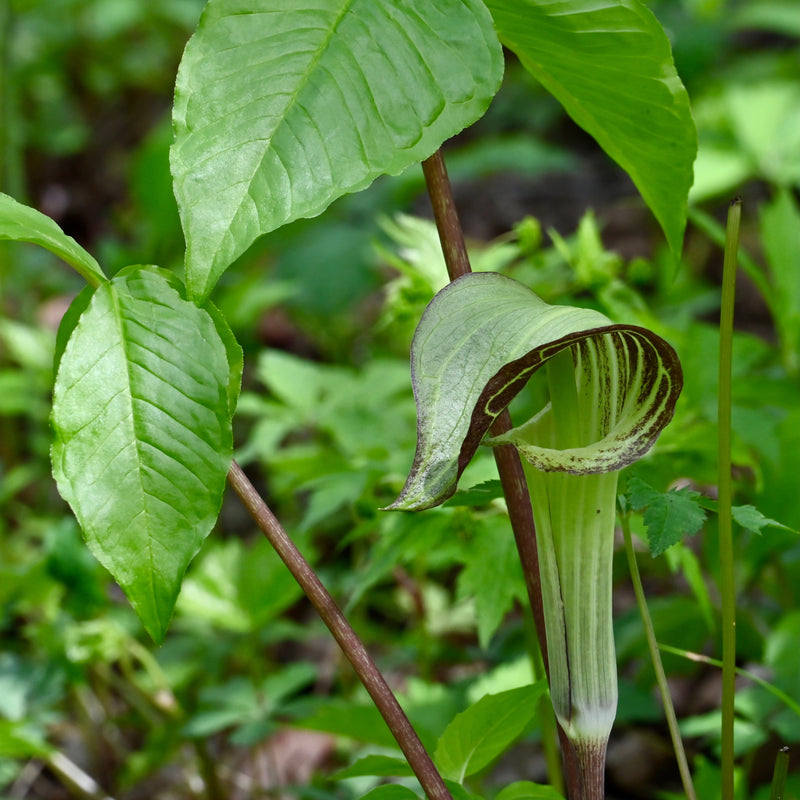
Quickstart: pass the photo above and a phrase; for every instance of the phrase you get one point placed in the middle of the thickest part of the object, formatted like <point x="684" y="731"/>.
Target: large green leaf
<point x="478" y="343"/>
<point x="142" y="434"/>
<point x="282" y="107"/>
<point x="610" y="65"/>
<point x="21" y="223"/>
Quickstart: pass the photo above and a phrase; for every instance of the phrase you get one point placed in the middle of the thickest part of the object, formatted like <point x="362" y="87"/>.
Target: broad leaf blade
<point x="610" y="65"/>
<point x="20" y="223"/>
<point x="478" y="343"/>
<point x="481" y="733"/>
<point x="280" y="110"/>
<point x="142" y="438"/>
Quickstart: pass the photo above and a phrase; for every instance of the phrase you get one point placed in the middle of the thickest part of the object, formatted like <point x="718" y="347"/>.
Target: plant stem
<point x="655" y="657"/>
<point x="509" y="466"/>
<point x="779" y="775"/>
<point x="727" y="584"/>
<point x="444" y="213"/>
<point x="777" y="693"/>
<point x="347" y="639"/>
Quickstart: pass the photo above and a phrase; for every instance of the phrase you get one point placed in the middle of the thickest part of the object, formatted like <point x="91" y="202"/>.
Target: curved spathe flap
<point x="479" y="342"/>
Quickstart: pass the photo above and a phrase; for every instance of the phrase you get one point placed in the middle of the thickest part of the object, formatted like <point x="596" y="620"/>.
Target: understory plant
<point x="612" y="390"/>
<point x="280" y="109"/>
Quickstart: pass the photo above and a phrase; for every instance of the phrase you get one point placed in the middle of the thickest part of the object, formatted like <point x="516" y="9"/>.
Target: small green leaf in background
<point x="779" y="222"/>
<point x="479" y="495"/>
<point x="492" y="575"/>
<point x="610" y="65"/>
<point x="142" y="434"/>
<point x="669" y="516"/>
<point x="750" y="518"/>
<point x="20" y="223"/>
<point x="390" y="791"/>
<point x="527" y="790"/>
<point x="278" y="111"/>
<point x="481" y="733"/>
<point x="378" y="766"/>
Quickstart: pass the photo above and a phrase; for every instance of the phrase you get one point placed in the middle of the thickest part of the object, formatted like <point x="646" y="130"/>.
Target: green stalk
<point x="655" y="657"/>
<point x="779" y="775"/>
<point x="777" y="693"/>
<point x="727" y="584"/>
<point x="574" y="529"/>
<point x="509" y="465"/>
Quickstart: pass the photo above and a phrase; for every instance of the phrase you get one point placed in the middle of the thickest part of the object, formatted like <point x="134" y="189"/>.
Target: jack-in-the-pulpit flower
<point x="612" y="388"/>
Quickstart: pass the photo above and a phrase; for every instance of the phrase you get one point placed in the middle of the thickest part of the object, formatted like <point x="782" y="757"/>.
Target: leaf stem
<point x="347" y="639"/>
<point x="444" y="213"/>
<point x="777" y="693"/>
<point x="658" y="666"/>
<point x="727" y="584"/>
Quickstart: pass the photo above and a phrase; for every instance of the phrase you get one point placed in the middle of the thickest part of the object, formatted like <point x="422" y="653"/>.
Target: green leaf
<point x="779" y="222"/>
<point x="750" y="518"/>
<point x="479" y="495"/>
<point x="492" y="575"/>
<point x="610" y="65"/>
<point x="20" y="223"/>
<point x="481" y="733"/>
<point x="390" y="791"/>
<point x="280" y="111"/>
<point x="669" y="516"/>
<point x="527" y="790"/>
<point x="142" y="434"/>
<point x="478" y="343"/>
<point x="375" y="765"/>
<point x="233" y="352"/>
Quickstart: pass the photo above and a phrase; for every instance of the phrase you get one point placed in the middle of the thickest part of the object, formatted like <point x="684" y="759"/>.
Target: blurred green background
<point x="248" y="696"/>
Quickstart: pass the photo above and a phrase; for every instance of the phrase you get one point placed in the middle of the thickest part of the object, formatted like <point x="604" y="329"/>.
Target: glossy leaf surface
<point x="478" y="343"/>
<point x="282" y="108"/>
<point x="142" y="438"/>
<point x="610" y="65"/>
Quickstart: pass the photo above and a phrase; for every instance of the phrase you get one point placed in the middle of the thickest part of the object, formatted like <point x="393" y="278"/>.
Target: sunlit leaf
<point x="279" y="110"/>
<point x="142" y="437"/>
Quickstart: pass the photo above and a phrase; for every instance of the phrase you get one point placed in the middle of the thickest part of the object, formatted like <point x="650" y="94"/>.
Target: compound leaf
<point x="280" y="109"/>
<point x="610" y="65"/>
<point x="142" y="434"/>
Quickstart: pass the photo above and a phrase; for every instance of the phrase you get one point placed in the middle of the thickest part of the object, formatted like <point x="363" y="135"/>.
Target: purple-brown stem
<point x="347" y="639"/>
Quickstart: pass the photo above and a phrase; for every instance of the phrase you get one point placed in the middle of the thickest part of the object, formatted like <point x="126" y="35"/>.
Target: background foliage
<point x="325" y="310"/>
